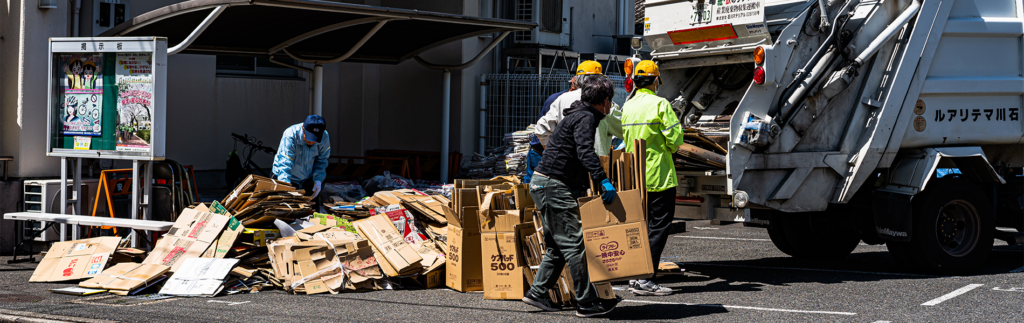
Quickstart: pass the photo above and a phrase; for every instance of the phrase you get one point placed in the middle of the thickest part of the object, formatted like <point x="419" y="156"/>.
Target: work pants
<point x="661" y="208"/>
<point x="563" y="237"/>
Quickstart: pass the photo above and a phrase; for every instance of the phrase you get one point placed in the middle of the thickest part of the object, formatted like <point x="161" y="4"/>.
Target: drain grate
<point x="19" y="298"/>
<point x="115" y="300"/>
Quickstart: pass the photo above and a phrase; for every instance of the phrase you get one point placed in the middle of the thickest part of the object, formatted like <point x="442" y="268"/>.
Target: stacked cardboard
<point x="330" y="260"/>
<point x="192" y="234"/>
<point x="127" y="278"/>
<point x="465" y="262"/>
<point x="258" y="201"/>
<point x="503" y="209"/>
<point x="74" y="260"/>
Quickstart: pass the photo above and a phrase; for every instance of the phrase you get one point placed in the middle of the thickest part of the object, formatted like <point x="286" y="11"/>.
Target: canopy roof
<point x="308" y="30"/>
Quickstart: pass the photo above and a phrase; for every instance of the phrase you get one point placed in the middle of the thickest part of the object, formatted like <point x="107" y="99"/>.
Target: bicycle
<point x="237" y="168"/>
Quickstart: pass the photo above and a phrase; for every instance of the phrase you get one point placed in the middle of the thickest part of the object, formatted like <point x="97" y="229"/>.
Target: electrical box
<point x="109" y="13"/>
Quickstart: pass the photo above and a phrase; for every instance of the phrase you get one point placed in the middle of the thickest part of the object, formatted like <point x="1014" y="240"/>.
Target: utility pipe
<point x="76" y="18"/>
<point x="446" y="96"/>
<point x="318" y="90"/>
<point x="888" y="33"/>
<point x="199" y="30"/>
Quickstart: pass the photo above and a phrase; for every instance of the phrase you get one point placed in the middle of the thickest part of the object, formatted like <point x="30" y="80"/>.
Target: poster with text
<point x="134" y="78"/>
<point x="82" y="89"/>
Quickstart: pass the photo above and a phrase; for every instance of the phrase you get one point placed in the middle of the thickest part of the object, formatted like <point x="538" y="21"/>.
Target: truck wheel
<point x="820" y="235"/>
<point x="778" y="235"/>
<point x="953" y="229"/>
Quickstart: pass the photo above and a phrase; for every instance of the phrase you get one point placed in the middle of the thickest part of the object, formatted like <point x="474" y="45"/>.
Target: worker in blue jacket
<point x="302" y="155"/>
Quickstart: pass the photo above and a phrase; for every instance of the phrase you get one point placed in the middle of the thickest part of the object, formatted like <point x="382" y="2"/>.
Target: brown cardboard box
<point x="502" y="275"/>
<point x="126" y="277"/>
<point x="73" y="260"/>
<point x="464" y="271"/>
<point x="401" y="258"/>
<point x="191" y="235"/>
<point x="615" y="237"/>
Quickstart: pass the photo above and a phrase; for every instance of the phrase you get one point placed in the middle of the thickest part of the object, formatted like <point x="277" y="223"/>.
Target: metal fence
<point x="513" y="101"/>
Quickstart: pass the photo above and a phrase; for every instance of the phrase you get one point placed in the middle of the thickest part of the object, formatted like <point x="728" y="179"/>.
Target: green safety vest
<point x="651" y="118"/>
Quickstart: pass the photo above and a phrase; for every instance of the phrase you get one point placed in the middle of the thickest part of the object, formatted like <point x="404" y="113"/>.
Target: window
<point x="254" y="67"/>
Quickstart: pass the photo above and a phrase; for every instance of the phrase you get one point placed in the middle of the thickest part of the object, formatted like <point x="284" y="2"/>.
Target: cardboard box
<point x="464" y="269"/>
<point x="191" y="235"/>
<point x="126" y="277"/>
<point x="615" y="237"/>
<point x="505" y="196"/>
<point x="388" y="243"/>
<point x="503" y="276"/>
<point x="73" y="260"/>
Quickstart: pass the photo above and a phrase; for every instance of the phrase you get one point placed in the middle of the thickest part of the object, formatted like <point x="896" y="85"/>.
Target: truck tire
<point x="953" y="229"/>
<point x="814" y="235"/>
<point x="778" y="235"/>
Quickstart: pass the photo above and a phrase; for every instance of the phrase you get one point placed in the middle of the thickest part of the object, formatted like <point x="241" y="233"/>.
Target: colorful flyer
<point x="82" y="90"/>
<point x="134" y="77"/>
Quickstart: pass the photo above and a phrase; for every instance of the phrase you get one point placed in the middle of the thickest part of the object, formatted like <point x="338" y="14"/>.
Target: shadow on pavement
<point x="663" y="312"/>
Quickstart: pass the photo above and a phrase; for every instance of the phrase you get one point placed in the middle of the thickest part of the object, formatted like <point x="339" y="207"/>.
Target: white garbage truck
<point x="831" y="122"/>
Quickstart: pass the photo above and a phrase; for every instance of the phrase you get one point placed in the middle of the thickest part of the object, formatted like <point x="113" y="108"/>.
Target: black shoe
<point x="541" y="301"/>
<point x="598" y="308"/>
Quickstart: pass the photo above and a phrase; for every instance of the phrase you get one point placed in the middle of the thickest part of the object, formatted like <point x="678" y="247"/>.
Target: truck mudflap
<point x="893" y="214"/>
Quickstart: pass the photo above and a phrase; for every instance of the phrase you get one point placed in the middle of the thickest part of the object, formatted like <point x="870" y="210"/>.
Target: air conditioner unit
<point x="109" y="13"/>
<point x="42" y="195"/>
<point x="552" y="18"/>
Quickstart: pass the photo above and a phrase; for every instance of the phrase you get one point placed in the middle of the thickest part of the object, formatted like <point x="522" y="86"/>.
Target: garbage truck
<point x="832" y="122"/>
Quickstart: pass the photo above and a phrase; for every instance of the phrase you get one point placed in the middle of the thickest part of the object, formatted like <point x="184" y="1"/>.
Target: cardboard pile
<point x="323" y="259"/>
<point x="258" y="201"/>
<point x="192" y="234"/>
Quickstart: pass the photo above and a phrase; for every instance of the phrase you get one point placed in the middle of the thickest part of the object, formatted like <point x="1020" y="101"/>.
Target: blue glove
<point x="607" y="191"/>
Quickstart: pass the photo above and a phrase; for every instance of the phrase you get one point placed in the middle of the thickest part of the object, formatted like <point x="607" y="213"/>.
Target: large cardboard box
<point x="400" y="258"/>
<point x="615" y="237"/>
<point x="464" y="270"/>
<point x="502" y="274"/>
<point x="74" y="260"/>
<point x="190" y="237"/>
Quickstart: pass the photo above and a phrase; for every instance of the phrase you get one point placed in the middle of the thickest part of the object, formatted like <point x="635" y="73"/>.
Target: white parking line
<point x="949" y="296"/>
<point x="226" y="302"/>
<point x="721" y="238"/>
<point x="745" y="307"/>
<point x="698" y="264"/>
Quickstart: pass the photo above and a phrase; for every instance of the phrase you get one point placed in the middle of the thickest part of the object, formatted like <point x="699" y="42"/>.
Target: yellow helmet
<point x="588" y="68"/>
<point x="646" y="68"/>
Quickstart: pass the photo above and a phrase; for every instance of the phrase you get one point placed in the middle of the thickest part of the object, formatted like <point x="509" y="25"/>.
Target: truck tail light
<point x="759" y="55"/>
<point x="759" y="75"/>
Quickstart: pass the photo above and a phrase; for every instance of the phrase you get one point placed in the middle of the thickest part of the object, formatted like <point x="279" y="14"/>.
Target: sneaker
<point x="598" y="308"/>
<point x="541" y="301"/>
<point x="648" y="288"/>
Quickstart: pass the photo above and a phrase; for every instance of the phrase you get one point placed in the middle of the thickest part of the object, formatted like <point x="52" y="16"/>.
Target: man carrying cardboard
<point x="301" y="158"/>
<point x="650" y="117"/>
<point x="568" y="157"/>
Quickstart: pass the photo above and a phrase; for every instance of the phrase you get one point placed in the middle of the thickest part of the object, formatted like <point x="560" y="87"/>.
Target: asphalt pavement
<point x="734" y="274"/>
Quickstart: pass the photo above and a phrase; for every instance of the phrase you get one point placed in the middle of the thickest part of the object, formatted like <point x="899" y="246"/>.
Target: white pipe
<point x="76" y="18"/>
<point x="494" y="42"/>
<point x="347" y="54"/>
<point x="824" y="15"/>
<point x="888" y="32"/>
<point x="446" y="94"/>
<point x="199" y="30"/>
<point x="318" y="90"/>
<point x="483" y="114"/>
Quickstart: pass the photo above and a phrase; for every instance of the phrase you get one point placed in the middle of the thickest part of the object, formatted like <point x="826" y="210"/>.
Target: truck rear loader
<point x="832" y="122"/>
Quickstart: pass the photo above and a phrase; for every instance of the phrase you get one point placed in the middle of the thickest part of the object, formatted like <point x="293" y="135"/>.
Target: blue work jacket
<point x="297" y="162"/>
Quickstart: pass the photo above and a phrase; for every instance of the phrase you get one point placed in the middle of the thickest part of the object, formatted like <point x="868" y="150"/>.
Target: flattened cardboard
<point x="74" y="260"/>
<point x="199" y="277"/>
<point x="400" y="258"/>
<point x="126" y="277"/>
<point x="615" y="237"/>
<point x="190" y="236"/>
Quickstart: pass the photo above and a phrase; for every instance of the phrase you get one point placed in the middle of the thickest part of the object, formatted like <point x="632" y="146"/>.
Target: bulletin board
<point x="107" y="98"/>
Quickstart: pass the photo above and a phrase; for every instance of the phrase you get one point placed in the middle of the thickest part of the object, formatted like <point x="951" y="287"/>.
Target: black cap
<point x="314" y="127"/>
